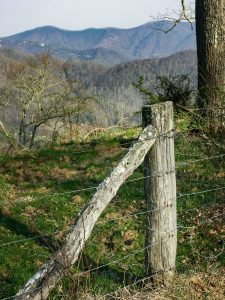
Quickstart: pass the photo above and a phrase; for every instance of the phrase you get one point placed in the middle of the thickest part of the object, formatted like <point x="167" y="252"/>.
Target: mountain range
<point x="108" y="46"/>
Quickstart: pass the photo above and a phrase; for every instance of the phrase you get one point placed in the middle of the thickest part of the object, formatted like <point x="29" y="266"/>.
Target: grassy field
<point x="39" y="201"/>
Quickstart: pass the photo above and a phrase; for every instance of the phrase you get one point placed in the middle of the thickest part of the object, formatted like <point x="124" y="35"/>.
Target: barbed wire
<point x="190" y="162"/>
<point x="212" y="256"/>
<point x="106" y="264"/>
<point x="79" y="190"/>
<point x="127" y="256"/>
<point x="35" y="237"/>
<point x="68" y="229"/>
<point x="159" y="272"/>
<point x="186" y="163"/>
<point x="158" y="174"/>
<point x="187" y="154"/>
<point x="130" y="215"/>
<point x="109" y="220"/>
<point x="24" y="199"/>
<point x="121" y="259"/>
<point x="143" y="213"/>
<point x="131" y="254"/>
<point x="200" y="192"/>
<point x="202" y="223"/>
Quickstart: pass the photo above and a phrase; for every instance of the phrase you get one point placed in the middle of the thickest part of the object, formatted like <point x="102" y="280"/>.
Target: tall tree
<point x="210" y="31"/>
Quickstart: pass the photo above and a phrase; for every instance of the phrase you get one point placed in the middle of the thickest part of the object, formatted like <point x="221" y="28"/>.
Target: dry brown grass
<point x="208" y="285"/>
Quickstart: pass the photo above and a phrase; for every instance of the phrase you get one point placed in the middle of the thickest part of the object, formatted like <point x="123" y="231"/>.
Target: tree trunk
<point x="33" y="135"/>
<point x="22" y="128"/>
<point x="210" y="31"/>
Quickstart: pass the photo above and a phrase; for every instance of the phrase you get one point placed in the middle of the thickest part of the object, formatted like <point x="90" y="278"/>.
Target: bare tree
<point x="39" y="91"/>
<point x="184" y="14"/>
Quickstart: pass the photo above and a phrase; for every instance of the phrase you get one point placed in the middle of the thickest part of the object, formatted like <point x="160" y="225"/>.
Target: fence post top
<point x="150" y="112"/>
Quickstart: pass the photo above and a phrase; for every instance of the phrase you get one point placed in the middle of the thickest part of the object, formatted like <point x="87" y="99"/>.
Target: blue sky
<point x="19" y="15"/>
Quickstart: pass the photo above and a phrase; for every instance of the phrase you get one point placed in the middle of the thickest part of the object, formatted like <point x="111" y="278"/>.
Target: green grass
<point x="38" y="178"/>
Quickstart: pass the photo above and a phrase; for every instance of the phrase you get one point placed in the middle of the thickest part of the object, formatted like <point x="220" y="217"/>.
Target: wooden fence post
<point x="160" y="192"/>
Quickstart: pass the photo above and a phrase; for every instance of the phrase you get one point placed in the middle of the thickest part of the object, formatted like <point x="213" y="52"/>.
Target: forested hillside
<point x="112" y="87"/>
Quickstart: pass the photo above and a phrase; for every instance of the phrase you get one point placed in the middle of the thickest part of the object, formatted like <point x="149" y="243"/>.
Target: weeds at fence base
<point x="204" y="284"/>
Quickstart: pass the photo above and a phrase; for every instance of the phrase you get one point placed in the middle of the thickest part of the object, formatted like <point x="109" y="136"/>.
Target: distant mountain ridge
<point x="108" y="46"/>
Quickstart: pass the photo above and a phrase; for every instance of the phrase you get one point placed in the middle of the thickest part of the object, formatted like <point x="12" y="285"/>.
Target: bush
<point x="174" y="88"/>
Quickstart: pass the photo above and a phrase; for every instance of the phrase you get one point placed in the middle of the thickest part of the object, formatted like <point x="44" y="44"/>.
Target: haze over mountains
<point x="107" y="46"/>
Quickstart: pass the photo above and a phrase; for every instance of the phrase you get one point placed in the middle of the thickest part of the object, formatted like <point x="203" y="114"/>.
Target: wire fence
<point x="115" y="261"/>
<point x="167" y="235"/>
<point x="162" y="173"/>
<point x="113" y="219"/>
<point x="178" y="166"/>
<point x="184" y="163"/>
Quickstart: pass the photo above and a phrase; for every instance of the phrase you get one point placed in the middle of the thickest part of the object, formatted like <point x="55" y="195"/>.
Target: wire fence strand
<point x="114" y="219"/>
<point x="186" y="163"/>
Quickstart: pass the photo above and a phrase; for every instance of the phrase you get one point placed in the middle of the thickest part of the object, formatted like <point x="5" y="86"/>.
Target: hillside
<point x="113" y="88"/>
<point x="107" y="45"/>
<point x="123" y="75"/>
<point x="127" y="73"/>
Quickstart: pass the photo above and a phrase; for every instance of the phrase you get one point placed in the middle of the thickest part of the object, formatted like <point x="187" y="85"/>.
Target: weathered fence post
<point x="160" y="192"/>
